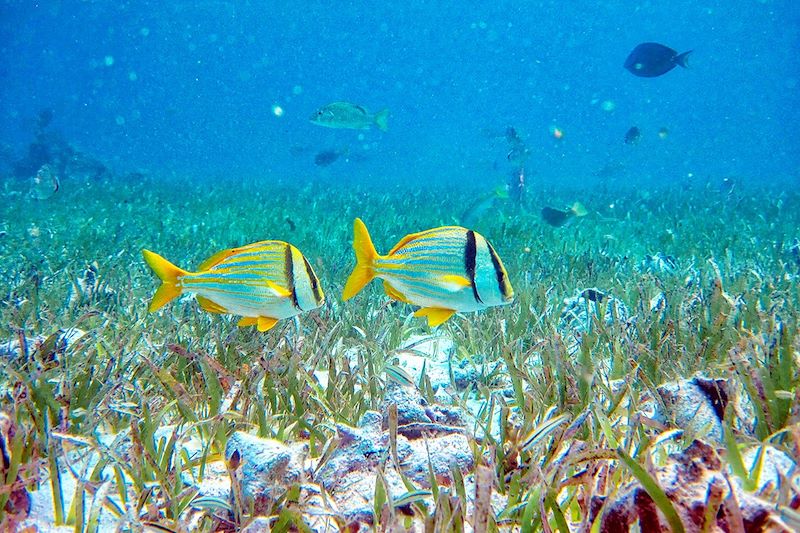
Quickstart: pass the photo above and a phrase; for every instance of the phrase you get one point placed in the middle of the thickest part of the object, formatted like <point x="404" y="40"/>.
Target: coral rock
<point x="267" y="468"/>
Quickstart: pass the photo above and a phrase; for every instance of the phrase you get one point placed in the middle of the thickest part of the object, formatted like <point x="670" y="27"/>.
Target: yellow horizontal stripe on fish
<point x="443" y="270"/>
<point x="263" y="282"/>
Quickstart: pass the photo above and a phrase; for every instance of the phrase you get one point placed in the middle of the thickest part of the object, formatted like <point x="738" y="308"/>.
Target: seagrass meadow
<point x="577" y="419"/>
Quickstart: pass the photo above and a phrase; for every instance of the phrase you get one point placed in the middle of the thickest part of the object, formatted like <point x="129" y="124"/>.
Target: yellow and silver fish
<point x="443" y="270"/>
<point x="263" y="282"/>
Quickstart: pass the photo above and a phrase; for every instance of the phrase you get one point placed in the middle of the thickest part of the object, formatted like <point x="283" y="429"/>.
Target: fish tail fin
<point x="382" y="120"/>
<point x="366" y="255"/>
<point x="168" y="274"/>
<point x="683" y="59"/>
<point x="578" y="210"/>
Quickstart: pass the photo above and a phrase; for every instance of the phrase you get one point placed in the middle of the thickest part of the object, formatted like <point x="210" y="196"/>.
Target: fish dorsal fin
<point x="247" y="321"/>
<point x="278" y="291"/>
<point x="454" y="282"/>
<point x="266" y="323"/>
<point x="412" y="236"/>
<point x="405" y="240"/>
<point x="436" y="315"/>
<point x="221" y="256"/>
<point x="210" y="306"/>
<point x="216" y="259"/>
<point x="393" y="293"/>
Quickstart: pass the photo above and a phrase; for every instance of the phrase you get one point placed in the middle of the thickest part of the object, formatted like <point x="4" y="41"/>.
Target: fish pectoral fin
<point x="247" y="321"/>
<point x="278" y="291"/>
<point x="454" y="283"/>
<point x="436" y="315"/>
<point x="393" y="293"/>
<point x="211" y="307"/>
<point x="266" y="323"/>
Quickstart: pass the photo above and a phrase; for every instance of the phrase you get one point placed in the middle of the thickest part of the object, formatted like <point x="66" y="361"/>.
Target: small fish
<point x="44" y="184"/>
<point x="612" y="169"/>
<point x="349" y="116"/>
<point x="633" y="135"/>
<point x="557" y="217"/>
<point x="516" y="184"/>
<point x="727" y="185"/>
<point x="326" y="157"/>
<point x="649" y="60"/>
<point x="44" y="119"/>
<point x="443" y="270"/>
<point x="482" y="205"/>
<point x="517" y="151"/>
<point x="262" y="282"/>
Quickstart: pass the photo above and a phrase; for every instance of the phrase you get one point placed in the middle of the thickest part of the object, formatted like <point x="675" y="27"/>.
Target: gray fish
<point x="558" y="217"/>
<point x="344" y="115"/>
<point x="482" y="205"/>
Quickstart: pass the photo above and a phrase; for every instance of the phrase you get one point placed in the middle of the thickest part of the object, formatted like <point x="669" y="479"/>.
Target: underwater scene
<point x="400" y="266"/>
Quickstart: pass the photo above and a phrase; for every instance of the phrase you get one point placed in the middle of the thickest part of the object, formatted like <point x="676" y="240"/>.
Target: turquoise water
<point x="664" y="264"/>
<point x="189" y="86"/>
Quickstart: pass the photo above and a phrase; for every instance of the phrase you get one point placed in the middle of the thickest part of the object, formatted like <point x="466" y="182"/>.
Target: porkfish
<point x="443" y="270"/>
<point x="262" y="282"/>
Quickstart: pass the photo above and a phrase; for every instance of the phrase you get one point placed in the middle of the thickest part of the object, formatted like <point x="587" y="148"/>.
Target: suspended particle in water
<point x="556" y="132"/>
<point x="277" y="110"/>
<point x="108" y="61"/>
<point x="608" y="106"/>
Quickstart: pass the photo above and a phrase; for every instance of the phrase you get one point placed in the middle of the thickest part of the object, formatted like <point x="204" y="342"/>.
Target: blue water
<point x="189" y="87"/>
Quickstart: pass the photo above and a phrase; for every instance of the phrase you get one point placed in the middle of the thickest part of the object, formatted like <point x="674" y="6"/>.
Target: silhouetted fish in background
<point x="44" y="119"/>
<point x="649" y="60"/>
<point x="327" y="157"/>
<point x="517" y="151"/>
<point x="612" y="169"/>
<point x="557" y="217"/>
<point x="484" y="204"/>
<point x="727" y="186"/>
<point x="633" y="135"/>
